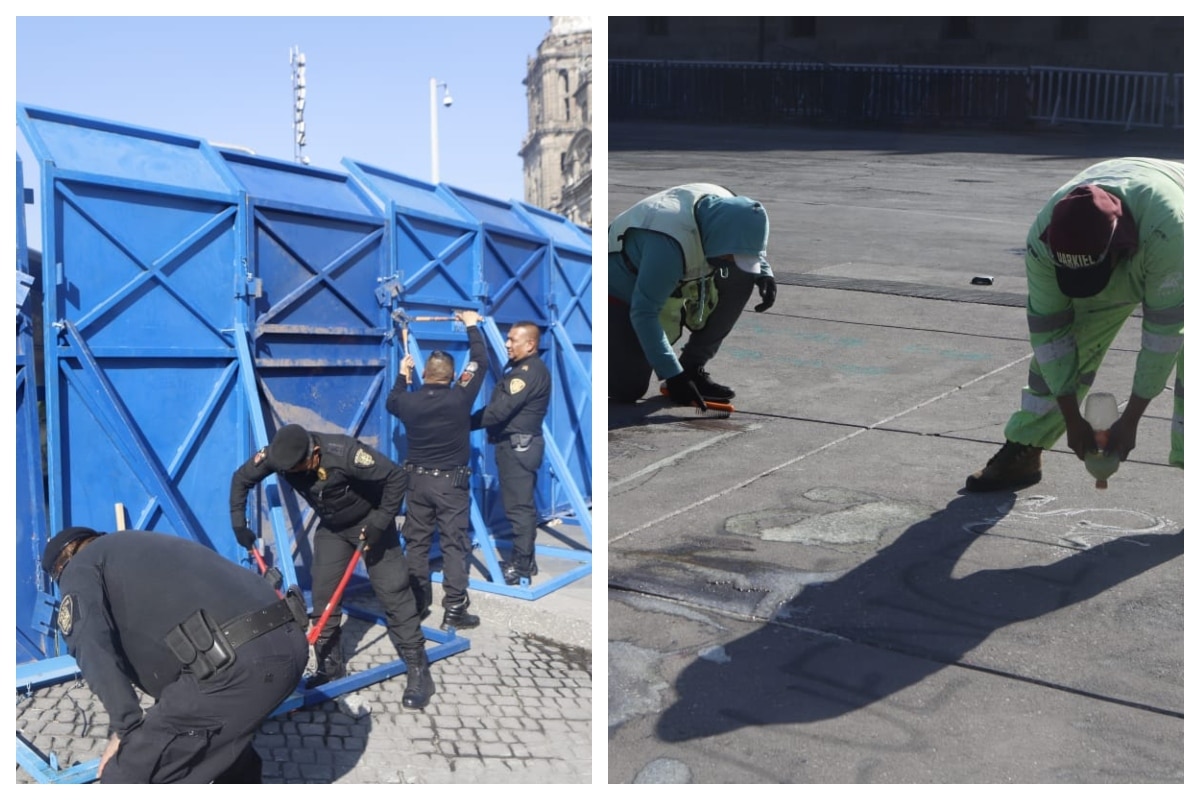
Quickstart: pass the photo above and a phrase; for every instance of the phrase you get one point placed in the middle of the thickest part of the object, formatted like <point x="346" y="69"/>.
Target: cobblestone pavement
<point x="516" y="707"/>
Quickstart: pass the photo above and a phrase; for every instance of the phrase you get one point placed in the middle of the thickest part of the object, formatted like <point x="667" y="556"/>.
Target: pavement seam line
<point x="741" y="485"/>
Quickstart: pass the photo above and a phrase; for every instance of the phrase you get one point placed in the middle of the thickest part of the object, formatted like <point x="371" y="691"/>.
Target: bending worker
<point x="689" y="257"/>
<point x="1108" y="241"/>
<point x="437" y="424"/>
<point x="207" y="639"/>
<point x="356" y="492"/>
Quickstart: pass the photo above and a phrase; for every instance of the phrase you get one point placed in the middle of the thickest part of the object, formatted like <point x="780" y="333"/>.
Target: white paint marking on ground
<point x="802" y="456"/>
<point x="669" y="460"/>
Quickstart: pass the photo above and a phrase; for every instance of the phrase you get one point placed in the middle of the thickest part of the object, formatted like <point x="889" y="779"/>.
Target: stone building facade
<point x="557" y="150"/>
<point x="1143" y="44"/>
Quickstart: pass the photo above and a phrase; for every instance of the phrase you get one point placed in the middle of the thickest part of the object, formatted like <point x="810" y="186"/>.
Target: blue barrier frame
<point x="84" y="158"/>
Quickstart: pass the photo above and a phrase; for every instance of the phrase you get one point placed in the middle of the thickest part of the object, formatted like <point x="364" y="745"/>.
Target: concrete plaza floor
<point x="802" y="592"/>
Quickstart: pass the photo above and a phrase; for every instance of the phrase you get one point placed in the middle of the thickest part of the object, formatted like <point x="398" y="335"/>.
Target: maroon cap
<point x="1080" y="235"/>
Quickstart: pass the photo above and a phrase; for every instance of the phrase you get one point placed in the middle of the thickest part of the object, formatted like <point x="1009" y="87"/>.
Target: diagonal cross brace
<point x="140" y="451"/>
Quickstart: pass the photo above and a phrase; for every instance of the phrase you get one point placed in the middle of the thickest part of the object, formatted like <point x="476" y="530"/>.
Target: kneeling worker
<point x="689" y="257"/>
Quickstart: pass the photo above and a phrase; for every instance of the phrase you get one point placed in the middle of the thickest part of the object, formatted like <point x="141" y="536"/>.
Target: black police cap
<point x="60" y="540"/>
<point x="291" y="445"/>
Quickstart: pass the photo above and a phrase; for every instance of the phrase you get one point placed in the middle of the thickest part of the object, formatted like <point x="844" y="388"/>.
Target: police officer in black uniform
<point x="437" y="423"/>
<point x="513" y="418"/>
<point x="209" y="640"/>
<point x="356" y="493"/>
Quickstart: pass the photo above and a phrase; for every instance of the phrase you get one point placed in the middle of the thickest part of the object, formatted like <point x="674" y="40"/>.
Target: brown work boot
<point x="1015" y="466"/>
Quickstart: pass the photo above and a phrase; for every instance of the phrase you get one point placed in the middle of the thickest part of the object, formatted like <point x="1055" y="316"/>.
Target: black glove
<point x="766" y="290"/>
<point x="371" y="536"/>
<point x="683" y="391"/>
<point x="245" y="536"/>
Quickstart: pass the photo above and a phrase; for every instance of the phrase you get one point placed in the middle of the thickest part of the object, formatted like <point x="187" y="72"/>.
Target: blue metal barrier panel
<point x="318" y="325"/>
<point x="141" y="264"/>
<point x="33" y="641"/>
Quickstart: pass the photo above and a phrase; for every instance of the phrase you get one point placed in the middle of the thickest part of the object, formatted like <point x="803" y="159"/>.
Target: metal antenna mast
<point x="299" y="90"/>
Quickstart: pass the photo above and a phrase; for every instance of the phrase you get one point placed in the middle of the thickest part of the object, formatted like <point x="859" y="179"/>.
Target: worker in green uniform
<point x="1109" y="241"/>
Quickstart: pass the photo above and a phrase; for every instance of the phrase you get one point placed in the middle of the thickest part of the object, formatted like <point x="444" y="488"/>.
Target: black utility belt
<point x="460" y="476"/>
<point x="434" y="471"/>
<point x="206" y="648"/>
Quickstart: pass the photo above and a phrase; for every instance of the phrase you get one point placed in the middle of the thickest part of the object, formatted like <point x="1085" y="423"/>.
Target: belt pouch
<point x="520" y="441"/>
<point x="462" y="478"/>
<point x="295" y="601"/>
<point x="200" y="645"/>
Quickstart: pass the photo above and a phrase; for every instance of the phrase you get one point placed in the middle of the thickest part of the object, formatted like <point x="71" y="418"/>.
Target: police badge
<point x="66" y="614"/>
<point x="363" y="459"/>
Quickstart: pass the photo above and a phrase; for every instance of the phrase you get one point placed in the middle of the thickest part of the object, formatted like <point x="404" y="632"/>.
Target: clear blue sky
<point x="228" y="80"/>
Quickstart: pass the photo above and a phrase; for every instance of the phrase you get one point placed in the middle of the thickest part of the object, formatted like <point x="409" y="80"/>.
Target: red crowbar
<point x="337" y="597"/>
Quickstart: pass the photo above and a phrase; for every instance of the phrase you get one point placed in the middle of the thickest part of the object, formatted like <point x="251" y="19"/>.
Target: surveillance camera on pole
<point x="433" y="129"/>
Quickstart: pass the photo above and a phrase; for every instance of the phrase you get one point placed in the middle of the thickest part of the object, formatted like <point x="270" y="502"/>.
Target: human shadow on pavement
<point x="895" y="620"/>
<point x="661" y="411"/>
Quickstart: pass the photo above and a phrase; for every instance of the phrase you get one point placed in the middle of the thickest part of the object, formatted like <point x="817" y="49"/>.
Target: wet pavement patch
<point x="557" y="653"/>
<point x="858" y="524"/>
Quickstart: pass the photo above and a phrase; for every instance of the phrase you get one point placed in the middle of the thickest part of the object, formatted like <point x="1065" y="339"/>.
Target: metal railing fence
<point x="884" y="94"/>
<point x="1106" y="97"/>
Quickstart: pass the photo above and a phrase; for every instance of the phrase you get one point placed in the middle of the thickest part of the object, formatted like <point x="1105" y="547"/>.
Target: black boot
<point x="513" y="573"/>
<point x="1014" y="466"/>
<point x="420" y="681"/>
<point x="456" y="616"/>
<point x="708" y="388"/>
<point x="330" y="665"/>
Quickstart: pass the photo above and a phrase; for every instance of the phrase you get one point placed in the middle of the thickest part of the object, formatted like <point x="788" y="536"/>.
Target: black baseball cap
<point x="58" y="543"/>
<point x="291" y="445"/>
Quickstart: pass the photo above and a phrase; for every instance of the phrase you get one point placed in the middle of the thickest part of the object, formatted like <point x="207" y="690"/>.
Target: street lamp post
<point x="433" y="121"/>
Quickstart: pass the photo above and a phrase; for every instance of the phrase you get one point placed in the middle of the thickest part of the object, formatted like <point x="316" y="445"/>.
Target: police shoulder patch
<point x="363" y="459"/>
<point x="66" y="614"/>
<point x="468" y="373"/>
<point x="515" y="385"/>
